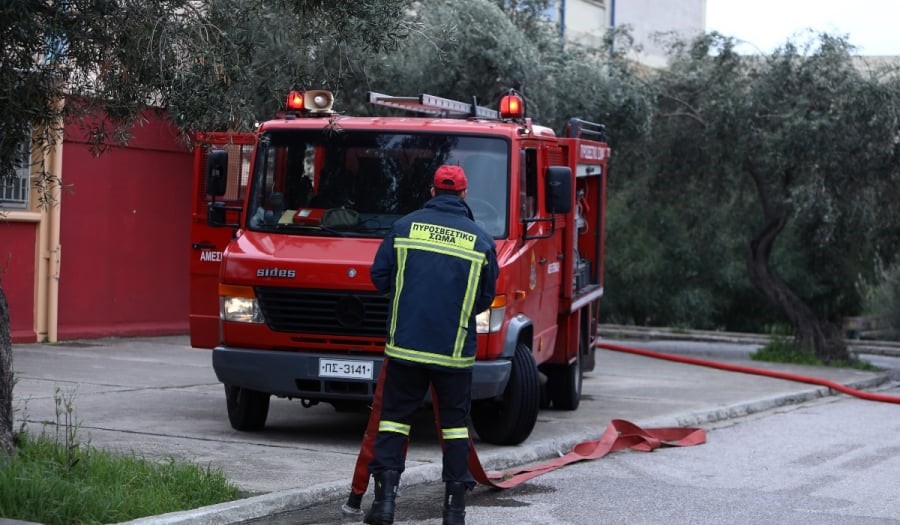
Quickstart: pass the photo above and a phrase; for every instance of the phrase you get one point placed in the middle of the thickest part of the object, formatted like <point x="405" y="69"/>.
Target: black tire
<point x="247" y="409"/>
<point x="588" y="360"/>
<point x="564" y="384"/>
<point x="510" y="419"/>
<point x="564" y="381"/>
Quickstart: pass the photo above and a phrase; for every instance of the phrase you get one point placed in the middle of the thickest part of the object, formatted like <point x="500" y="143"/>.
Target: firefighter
<point x="439" y="269"/>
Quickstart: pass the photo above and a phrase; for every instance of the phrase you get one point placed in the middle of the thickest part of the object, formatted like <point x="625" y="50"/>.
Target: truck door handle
<point x="203" y="246"/>
<point x="543" y="261"/>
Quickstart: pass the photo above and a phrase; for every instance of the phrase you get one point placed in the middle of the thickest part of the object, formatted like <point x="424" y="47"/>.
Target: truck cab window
<point x="380" y="176"/>
<point x="528" y="183"/>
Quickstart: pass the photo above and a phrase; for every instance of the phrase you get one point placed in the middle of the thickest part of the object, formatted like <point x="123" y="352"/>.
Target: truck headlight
<point x="491" y="320"/>
<point x="239" y="304"/>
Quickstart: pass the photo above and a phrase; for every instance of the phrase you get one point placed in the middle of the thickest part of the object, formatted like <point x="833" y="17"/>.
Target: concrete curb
<point x="297" y="499"/>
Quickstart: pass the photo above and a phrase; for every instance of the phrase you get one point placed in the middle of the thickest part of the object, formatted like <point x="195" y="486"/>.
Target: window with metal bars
<point x="15" y="188"/>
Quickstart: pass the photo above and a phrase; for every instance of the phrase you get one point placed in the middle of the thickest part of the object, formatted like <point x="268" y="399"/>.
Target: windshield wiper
<point x="340" y="232"/>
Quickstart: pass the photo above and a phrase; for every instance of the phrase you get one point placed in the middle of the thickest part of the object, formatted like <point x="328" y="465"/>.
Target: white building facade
<point x="586" y="21"/>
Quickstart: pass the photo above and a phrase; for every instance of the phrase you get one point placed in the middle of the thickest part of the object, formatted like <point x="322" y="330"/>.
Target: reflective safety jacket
<point x="440" y="269"/>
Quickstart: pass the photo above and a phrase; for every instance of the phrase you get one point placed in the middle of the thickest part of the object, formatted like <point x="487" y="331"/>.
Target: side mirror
<point x="559" y="189"/>
<point x="216" y="172"/>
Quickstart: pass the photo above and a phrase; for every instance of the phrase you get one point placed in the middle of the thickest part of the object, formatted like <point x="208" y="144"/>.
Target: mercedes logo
<point x="350" y="311"/>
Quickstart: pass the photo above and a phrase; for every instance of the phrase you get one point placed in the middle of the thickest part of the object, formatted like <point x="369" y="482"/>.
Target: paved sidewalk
<point x="159" y="398"/>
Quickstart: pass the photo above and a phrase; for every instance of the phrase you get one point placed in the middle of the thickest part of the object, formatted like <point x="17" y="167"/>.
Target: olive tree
<point x="796" y="153"/>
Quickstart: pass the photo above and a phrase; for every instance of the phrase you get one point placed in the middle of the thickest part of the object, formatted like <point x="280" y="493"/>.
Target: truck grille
<point x="323" y="312"/>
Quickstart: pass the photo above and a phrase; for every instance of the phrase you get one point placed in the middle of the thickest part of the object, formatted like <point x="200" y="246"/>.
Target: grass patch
<point x="781" y="349"/>
<point x="56" y="479"/>
<point x="784" y="350"/>
<point x="46" y="482"/>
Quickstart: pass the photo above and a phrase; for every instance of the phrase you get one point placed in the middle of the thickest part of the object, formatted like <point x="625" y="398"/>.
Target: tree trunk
<point x="6" y="380"/>
<point x="811" y="333"/>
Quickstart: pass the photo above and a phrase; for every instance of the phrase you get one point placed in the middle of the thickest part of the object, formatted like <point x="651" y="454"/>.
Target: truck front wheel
<point x="509" y="420"/>
<point x="247" y="409"/>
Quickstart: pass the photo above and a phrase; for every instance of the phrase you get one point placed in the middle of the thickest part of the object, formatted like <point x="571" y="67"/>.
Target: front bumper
<point x="296" y="374"/>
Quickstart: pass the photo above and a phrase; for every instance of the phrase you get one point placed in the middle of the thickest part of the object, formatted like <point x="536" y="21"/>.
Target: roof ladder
<point x="432" y="105"/>
<point x="578" y="128"/>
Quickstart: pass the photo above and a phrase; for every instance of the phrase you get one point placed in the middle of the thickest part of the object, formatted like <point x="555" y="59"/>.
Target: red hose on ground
<point x="620" y="434"/>
<point x="756" y="371"/>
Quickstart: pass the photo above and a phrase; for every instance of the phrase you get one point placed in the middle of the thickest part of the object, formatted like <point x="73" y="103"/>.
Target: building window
<point x="14" y="189"/>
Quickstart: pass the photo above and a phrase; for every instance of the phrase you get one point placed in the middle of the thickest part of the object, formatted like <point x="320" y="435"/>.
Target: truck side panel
<point x="207" y="243"/>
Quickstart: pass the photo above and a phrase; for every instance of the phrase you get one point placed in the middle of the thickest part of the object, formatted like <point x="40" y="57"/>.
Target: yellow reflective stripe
<point x="437" y="234"/>
<point x="455" y="433"/>
<point x="398" y="288"/>
<point x="428" y="358"/>
<point x="393" y="426"/>
<point x="469" y="255"/>
<point x="466" y="312"/>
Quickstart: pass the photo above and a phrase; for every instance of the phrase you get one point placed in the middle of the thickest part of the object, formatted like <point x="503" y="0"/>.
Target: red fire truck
<point x="287" y="219"/>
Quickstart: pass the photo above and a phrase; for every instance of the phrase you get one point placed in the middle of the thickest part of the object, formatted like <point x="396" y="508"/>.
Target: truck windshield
<point x="354" y="183"/>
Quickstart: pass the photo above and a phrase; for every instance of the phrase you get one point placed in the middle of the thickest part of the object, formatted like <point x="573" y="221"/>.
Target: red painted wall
<point x="17" y="267"/>
<point x="125" y="235"/>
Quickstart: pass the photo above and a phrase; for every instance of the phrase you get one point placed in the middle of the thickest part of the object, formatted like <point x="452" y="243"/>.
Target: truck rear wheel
<point x="510" y="419"/>
<point x="564" y="381"/>
<point x="247" y="409"/>
<point x="564" y="384"/>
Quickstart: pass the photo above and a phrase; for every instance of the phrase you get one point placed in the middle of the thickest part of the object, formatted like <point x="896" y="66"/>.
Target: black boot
<point x="382" y="511"/>
<point x="455" y="503"/>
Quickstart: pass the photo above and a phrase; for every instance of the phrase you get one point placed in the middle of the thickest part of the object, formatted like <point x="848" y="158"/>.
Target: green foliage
<point x="216" y="65"/>
<point x="880" y="293"/>
<point x="49" y="482"/>
<point x="66" y="429"/>
<point x="784" y="350"/>
<point x="465" y="49"/>
<point x="527" y="15"/>
<point x="231" y="64"/>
